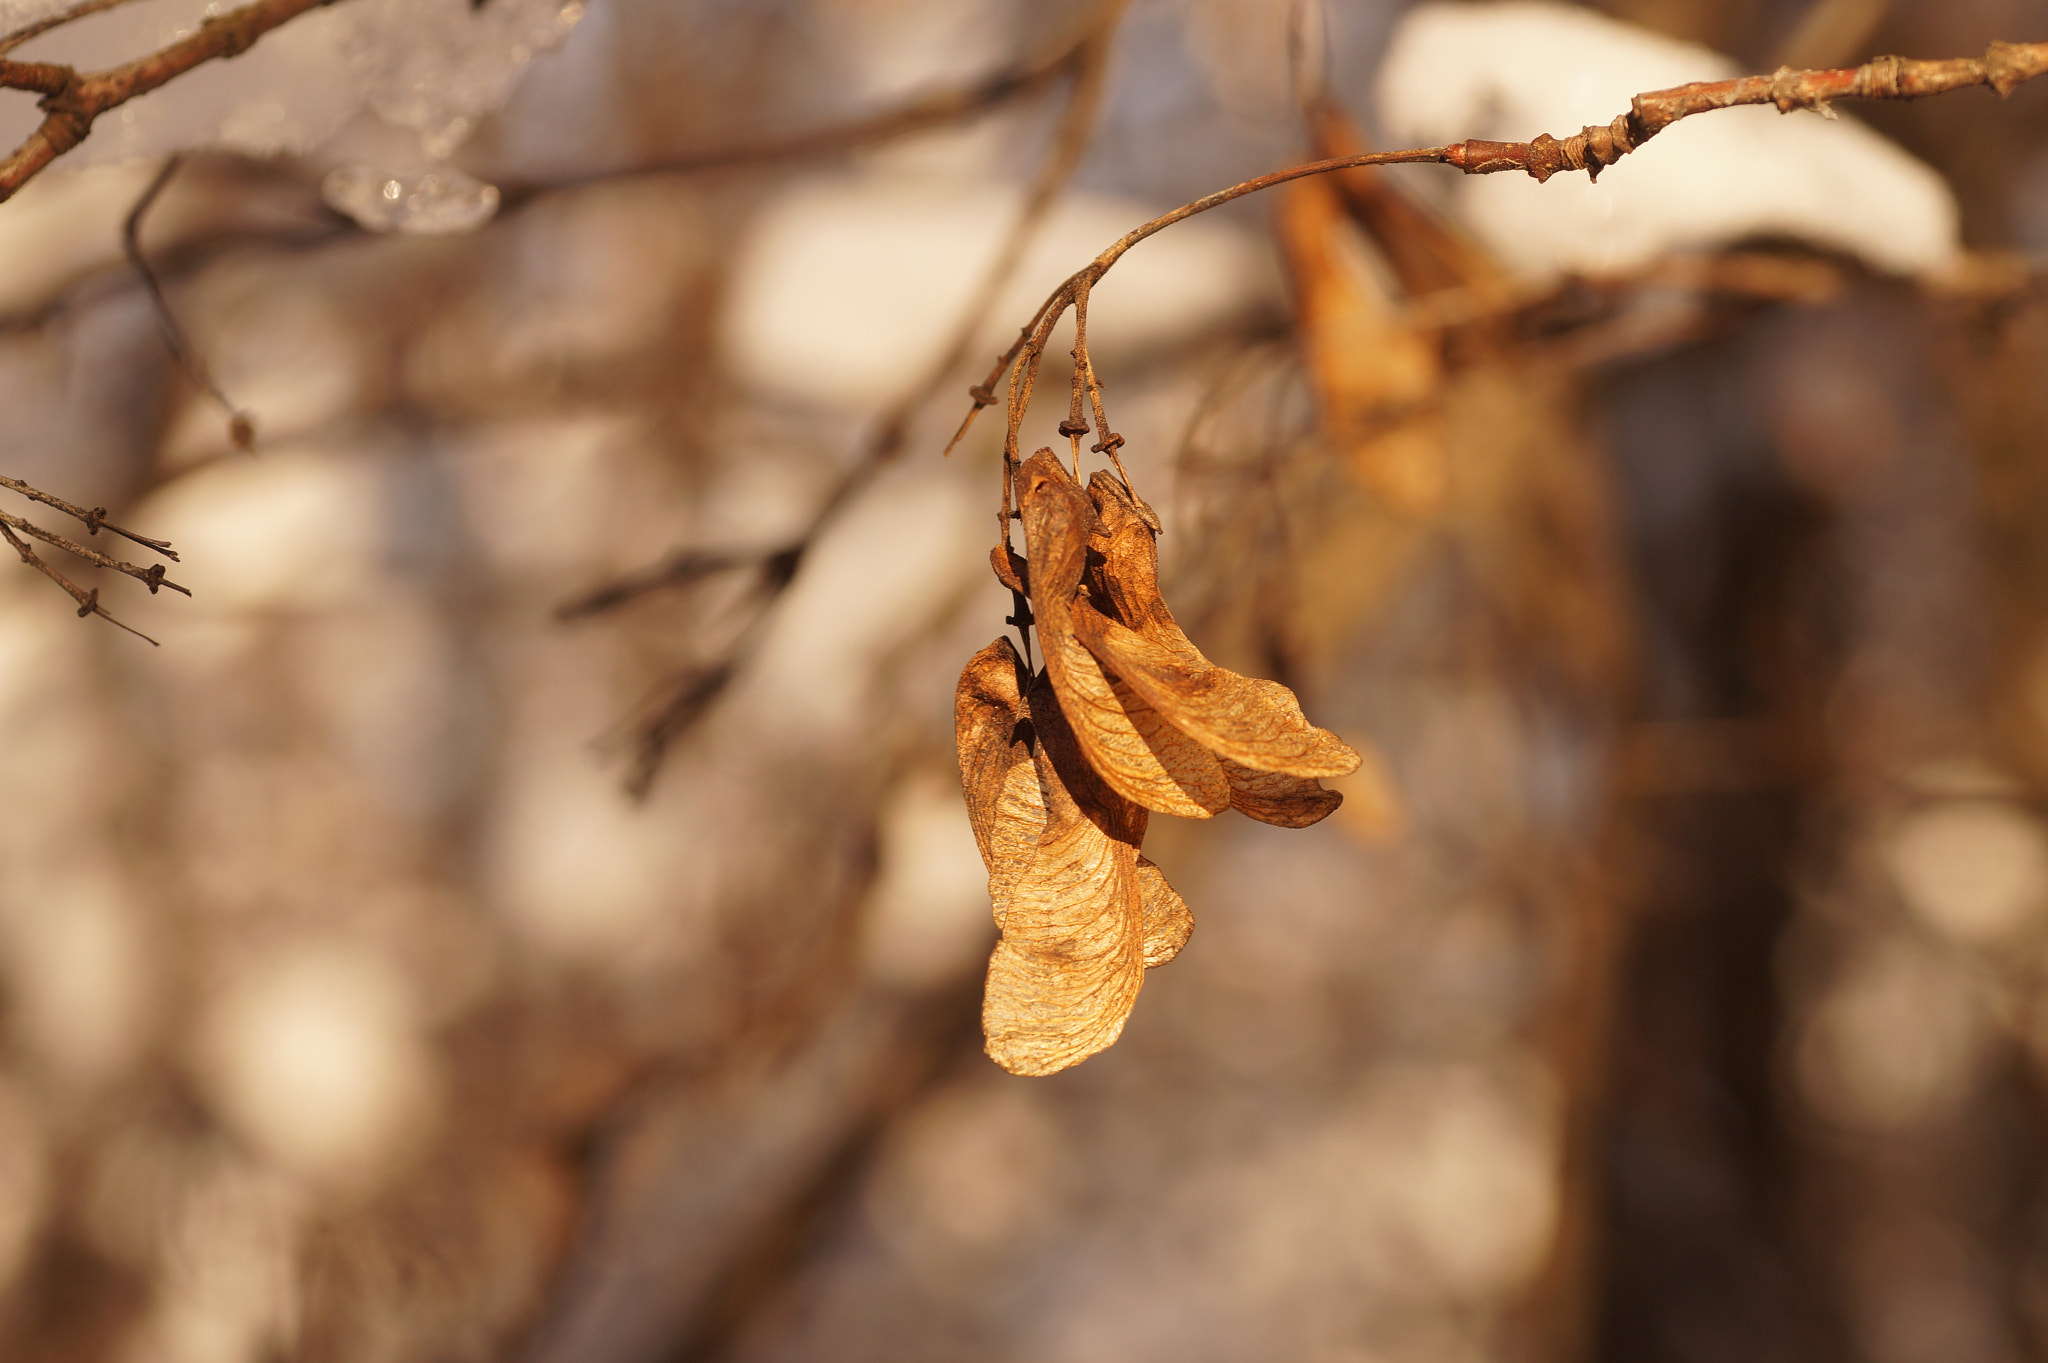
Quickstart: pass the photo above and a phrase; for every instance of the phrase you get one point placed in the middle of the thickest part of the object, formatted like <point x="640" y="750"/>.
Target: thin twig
<point x="940" y="109"/>
<point x="88" y="601"/>
<point x="679" y="569"/>
<point x="151" y="577"/>
<point x="241" y="426"/>
<point x="94" y="520"/>
<point x="73" y="99"/>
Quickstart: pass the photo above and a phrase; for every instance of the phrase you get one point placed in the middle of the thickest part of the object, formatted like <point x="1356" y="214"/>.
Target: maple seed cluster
<point x="1063" y="767"/>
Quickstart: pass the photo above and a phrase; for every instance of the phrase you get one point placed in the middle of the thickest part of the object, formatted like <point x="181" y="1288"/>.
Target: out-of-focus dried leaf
<point x="1071" y="959"/>
<point x="1376" y="379"/>
<point x="992" y="729"/>
<point x="1136" y="753"/>
<point x="1425" y="252"/>
<point x="1168" y="920"/>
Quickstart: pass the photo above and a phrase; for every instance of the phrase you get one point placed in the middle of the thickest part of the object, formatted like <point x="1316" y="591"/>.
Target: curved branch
<point x="2003" y="67"/>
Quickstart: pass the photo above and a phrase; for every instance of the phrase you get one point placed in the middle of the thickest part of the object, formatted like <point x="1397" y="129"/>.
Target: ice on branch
<point x="1511" y="70"/>
<point x="425" y="70"/>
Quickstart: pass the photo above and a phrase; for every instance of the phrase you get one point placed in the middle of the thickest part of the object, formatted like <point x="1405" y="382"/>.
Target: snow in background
<point x="1509" y="71"/>
<point x="425" y="69"/>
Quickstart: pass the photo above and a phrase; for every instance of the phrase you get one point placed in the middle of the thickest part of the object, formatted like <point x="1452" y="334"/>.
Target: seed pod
<point x="992" y="731"/>
<point x="1140" y="755"/>
<point x="1071" y="960"/>
<point x="1248" y="721"/>
<point x="1168" y="920"/>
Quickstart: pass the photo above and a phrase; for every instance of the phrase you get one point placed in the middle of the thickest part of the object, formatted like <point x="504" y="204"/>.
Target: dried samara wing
<point x="1140" y="754"/>
<point x="1269" y="753"/>
<point x="1072" y="956"/>
<point x="992" y="730"/>
<point x="1168" y="920"/>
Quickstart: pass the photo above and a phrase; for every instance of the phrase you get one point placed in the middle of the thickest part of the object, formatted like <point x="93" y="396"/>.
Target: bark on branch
<point x="2002" y="67"/>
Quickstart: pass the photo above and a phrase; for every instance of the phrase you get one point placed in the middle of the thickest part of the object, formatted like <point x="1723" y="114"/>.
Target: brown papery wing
<point x="1168" y="920"/>
<point x="1126" y="582"/>
<point x="1279" y="799"/>
<point x="992" y="730"/>
<point x="1071" y="959"/>
<point x="1248" y="721"/>
<point x="1147" y="765"/>
<point x="988" y="711"/>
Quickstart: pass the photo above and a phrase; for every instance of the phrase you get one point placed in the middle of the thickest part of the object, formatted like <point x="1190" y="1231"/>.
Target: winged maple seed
<point x="1062" y="769"/>
<point x="1081" y="914"/>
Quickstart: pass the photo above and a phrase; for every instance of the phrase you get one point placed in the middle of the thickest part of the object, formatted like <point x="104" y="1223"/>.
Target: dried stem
<point x="94" y="520"/>
<point x="88" y="600"/>
<point x="151" y="577"/>
<point x="2002" y="67"/>
<point x="72" y="99"/>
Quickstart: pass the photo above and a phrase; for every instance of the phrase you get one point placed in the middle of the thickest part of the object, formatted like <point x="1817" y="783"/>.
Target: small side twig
<point x="88" y="600"/>
<point x="151" y="577"/>
<point x="241" y="426"/>
<point x="94" y="520"/>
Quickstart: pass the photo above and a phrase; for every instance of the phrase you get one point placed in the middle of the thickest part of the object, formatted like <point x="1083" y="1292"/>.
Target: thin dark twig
<point x="241" y="426"/>
<point x="151" y="577"/>
<point x="88" y="601"/>
<point x="941" y="108"/>
<point x="95" y="520"/>
<point x="680" y="569"/>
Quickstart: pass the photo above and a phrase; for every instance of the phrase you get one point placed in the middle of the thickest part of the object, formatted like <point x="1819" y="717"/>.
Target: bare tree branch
<point x="2002" y="67"/>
